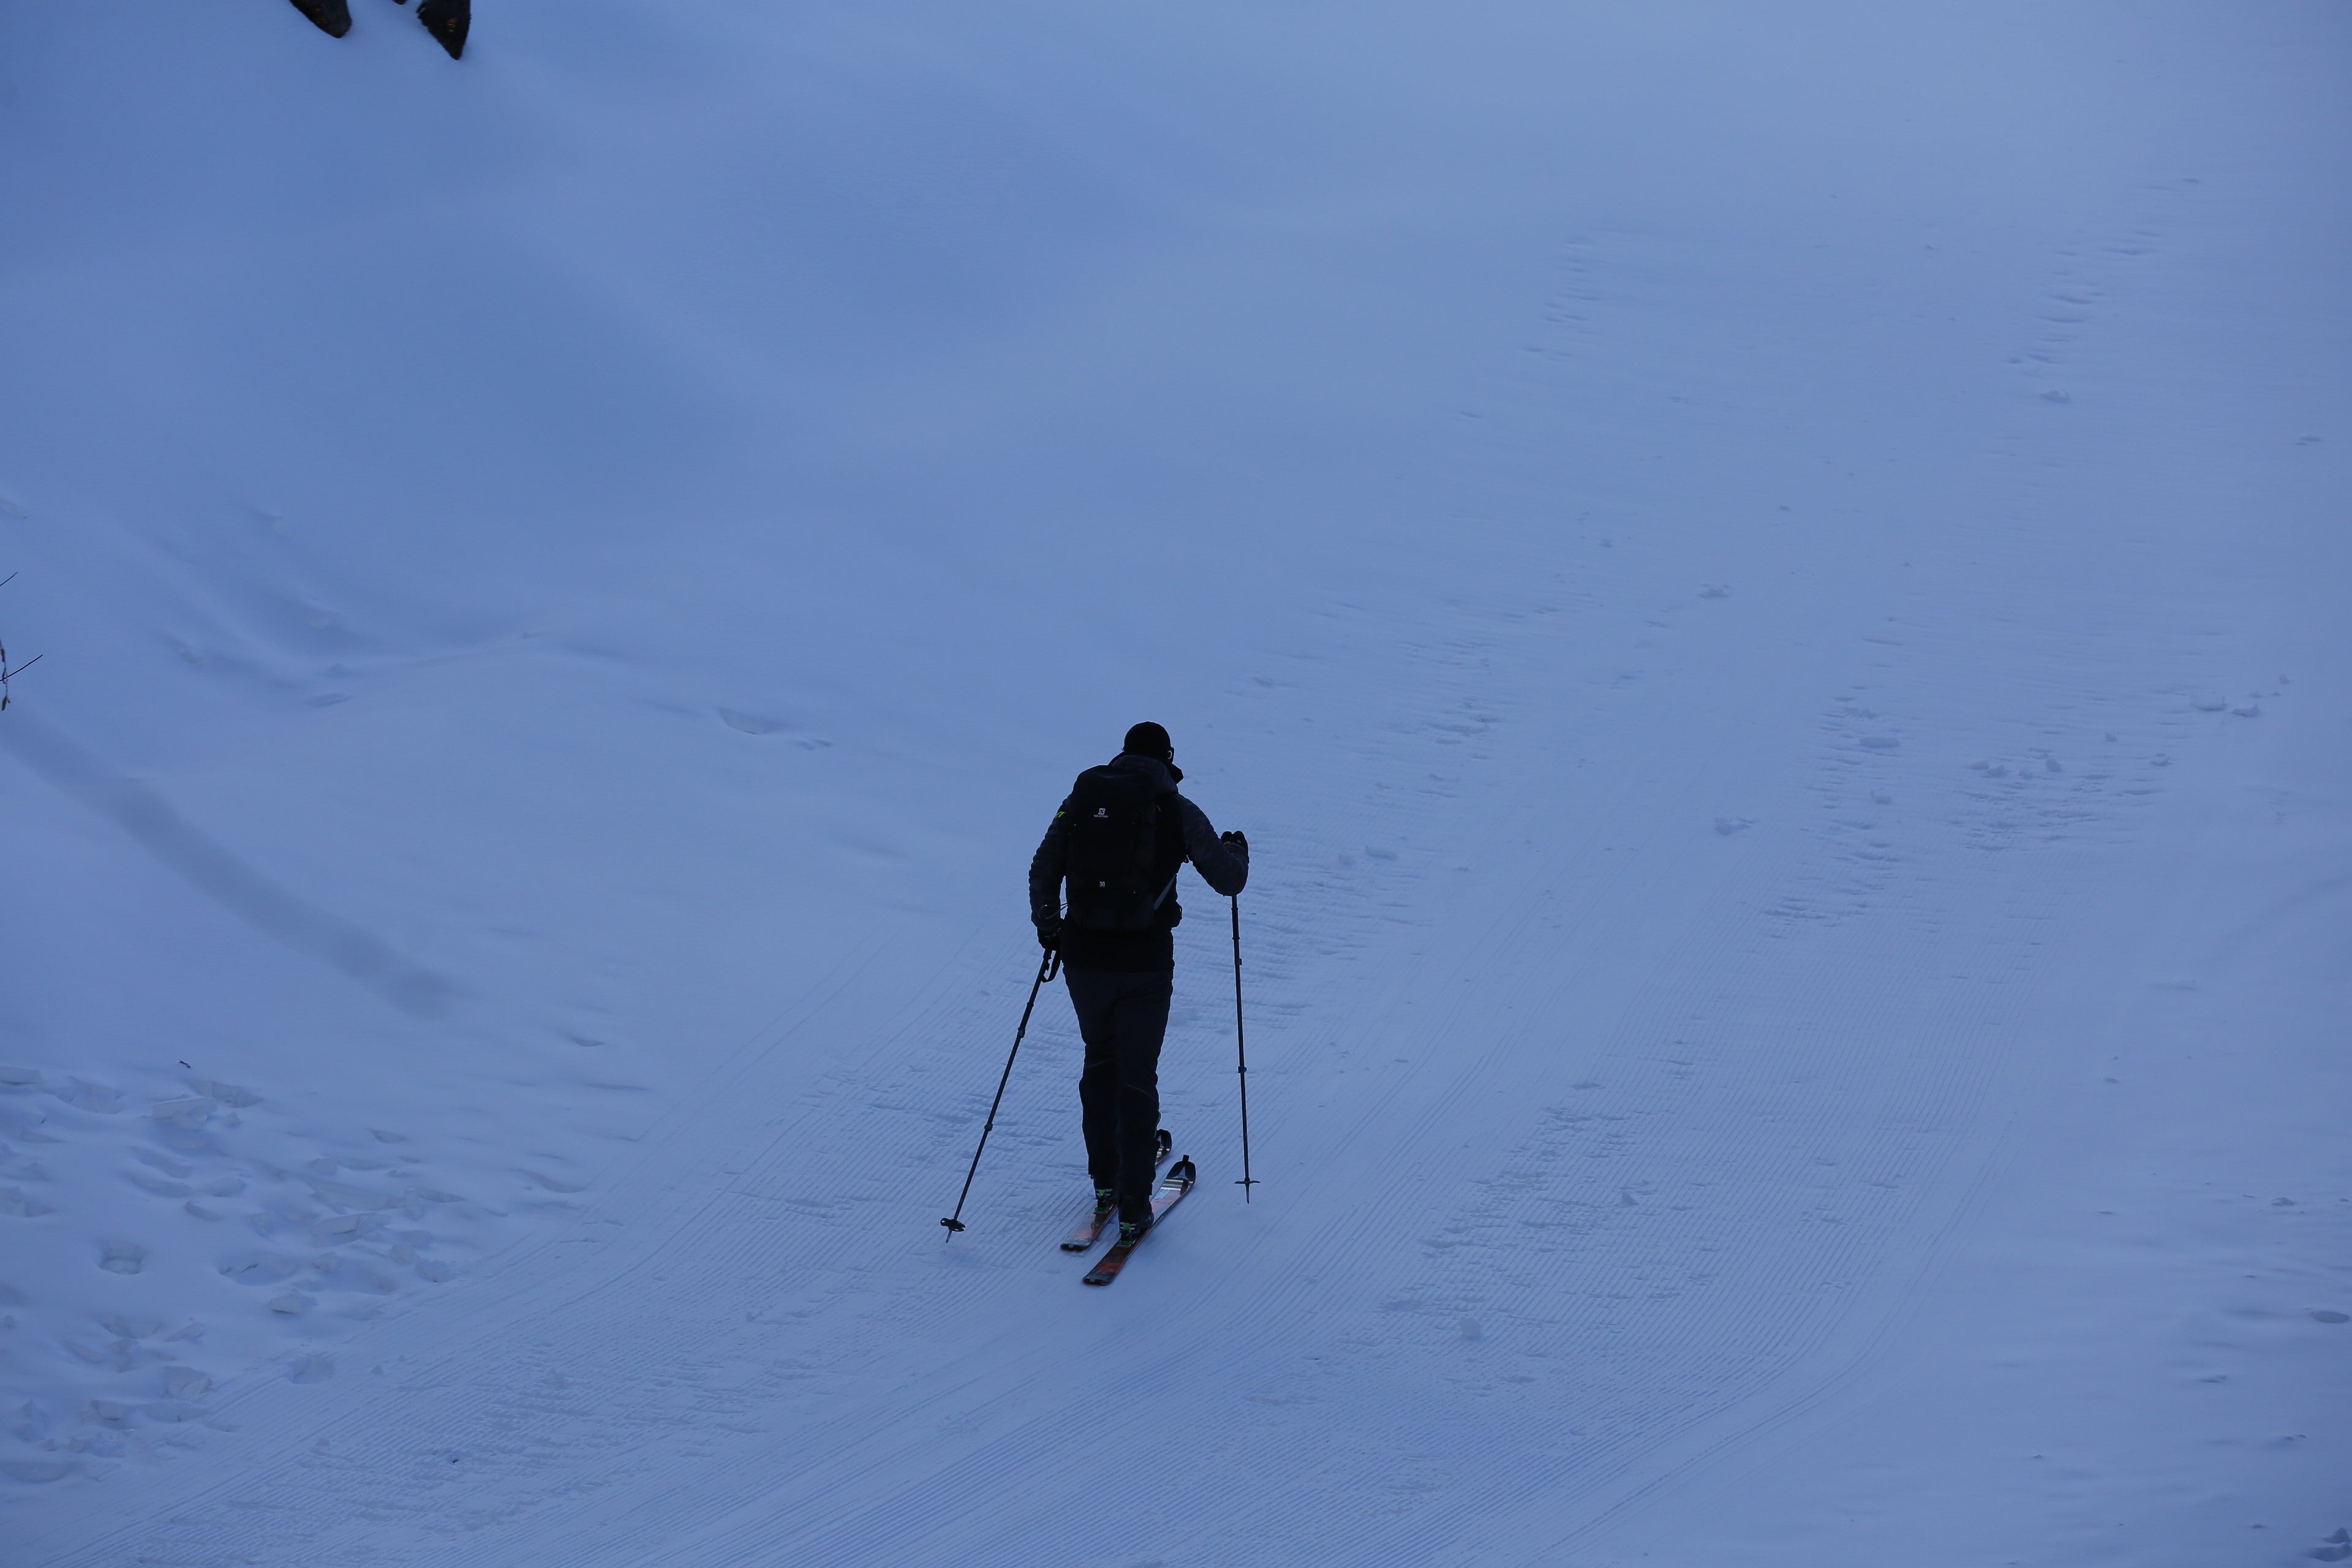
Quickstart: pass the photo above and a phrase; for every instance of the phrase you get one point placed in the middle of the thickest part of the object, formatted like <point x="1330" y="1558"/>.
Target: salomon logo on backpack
<point x="1114" y="837"/>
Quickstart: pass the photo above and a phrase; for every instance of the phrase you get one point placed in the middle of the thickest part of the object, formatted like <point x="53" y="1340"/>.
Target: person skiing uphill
<point x="1119" y="841"/>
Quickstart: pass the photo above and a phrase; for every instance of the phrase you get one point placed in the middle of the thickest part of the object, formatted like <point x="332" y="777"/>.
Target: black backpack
<point x="1112" y="825"/>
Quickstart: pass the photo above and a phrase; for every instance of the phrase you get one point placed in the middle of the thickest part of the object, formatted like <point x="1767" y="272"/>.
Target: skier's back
<point x="1119" y="841"/>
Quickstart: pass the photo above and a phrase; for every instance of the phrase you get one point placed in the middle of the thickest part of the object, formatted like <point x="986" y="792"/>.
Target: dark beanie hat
<point x="1148" y="740"/>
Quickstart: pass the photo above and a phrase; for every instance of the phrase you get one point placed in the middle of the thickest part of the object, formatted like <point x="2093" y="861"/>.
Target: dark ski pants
<point x="1122" y="1016"/>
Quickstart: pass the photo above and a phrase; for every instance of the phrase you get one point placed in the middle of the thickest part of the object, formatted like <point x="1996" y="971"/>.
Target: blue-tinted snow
<point x="1766" y="583"/>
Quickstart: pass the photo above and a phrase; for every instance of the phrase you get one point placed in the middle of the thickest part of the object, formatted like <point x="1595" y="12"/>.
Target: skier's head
<point x="1148" y="740"/>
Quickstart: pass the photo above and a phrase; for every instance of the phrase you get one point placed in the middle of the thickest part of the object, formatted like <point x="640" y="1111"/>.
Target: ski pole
<point x="1241" y="1052"/>
<point x="1046" y="968"/>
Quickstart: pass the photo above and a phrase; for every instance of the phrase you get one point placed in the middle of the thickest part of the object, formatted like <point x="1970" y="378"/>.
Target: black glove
<point x="1049" y="934"/>
<point x="1235" y="841"/>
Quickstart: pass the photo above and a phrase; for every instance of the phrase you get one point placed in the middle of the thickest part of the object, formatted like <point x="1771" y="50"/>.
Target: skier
<point x="1119" y="841"/>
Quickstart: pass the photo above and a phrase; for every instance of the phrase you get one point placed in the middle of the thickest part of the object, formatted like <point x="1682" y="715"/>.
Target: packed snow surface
<point x="1767" y="583"/>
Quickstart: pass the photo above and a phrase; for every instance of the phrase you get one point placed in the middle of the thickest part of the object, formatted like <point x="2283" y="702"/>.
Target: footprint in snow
<point x="115" y="1355"/>
<point x="33" y="1471"/>
<point x="188" y="1150"/>
<point x="184" y="1382"/>
<point x="260" y="1268"/>
<point x="342" y="1227"/>
<point x="93" y="1097"/>
<point x="749" y="723"/>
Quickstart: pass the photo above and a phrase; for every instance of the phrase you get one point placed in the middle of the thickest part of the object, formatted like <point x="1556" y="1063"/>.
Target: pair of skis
<point x="1167" y="1195"/>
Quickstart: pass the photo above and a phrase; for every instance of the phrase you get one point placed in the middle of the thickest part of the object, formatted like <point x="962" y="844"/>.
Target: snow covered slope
<point x="1766" y="584"/>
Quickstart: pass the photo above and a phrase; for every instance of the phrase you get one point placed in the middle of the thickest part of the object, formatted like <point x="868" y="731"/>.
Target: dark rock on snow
<point x="333" y="16"/>
<point x="447" y="21"/>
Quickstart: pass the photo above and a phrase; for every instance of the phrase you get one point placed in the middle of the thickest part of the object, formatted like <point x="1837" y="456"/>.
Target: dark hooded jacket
<point x="1184" y="835"/>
